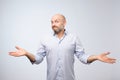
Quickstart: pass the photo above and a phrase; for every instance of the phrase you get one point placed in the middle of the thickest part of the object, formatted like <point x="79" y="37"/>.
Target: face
<point x="58" y="23"/>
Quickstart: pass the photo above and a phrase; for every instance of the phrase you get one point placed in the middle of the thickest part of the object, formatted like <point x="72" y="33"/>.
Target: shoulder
<point x="73" y="35"/>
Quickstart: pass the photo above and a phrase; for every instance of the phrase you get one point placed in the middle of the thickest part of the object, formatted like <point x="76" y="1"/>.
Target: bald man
<point x="59" y="49"/>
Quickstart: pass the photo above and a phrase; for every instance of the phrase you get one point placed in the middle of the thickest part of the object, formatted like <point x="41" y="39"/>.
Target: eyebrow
<point x="55" y="20"/>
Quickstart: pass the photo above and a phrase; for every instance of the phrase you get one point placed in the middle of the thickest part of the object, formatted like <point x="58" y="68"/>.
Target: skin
<point x="58" y="23"/>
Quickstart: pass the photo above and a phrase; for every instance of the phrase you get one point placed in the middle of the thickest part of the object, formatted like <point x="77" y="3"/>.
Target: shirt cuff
<point x="84" y="59"/>
<point x="38" y="59"/>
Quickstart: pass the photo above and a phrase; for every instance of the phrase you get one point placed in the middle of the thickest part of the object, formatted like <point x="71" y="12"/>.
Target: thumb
<point x="106" y="53"/>
<point x="17" y="47"/>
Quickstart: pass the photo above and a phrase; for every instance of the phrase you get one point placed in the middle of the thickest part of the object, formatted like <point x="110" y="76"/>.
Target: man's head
<point x="58" y="23"/>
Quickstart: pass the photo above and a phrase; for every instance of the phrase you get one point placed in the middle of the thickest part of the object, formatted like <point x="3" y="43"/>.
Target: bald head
<point x="60" y="16"/>
<point x="58" y="22"/>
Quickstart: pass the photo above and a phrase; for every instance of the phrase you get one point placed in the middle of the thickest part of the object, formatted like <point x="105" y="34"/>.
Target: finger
<point x="106" y="53"/>
<point x="14" y="54"/>
<point x="112" y="61"/>
<point x="18" y="48"/>
<point x="10" y="53"/>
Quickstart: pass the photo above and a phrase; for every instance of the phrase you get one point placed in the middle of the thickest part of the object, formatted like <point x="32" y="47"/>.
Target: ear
<point x="64" y="23"/>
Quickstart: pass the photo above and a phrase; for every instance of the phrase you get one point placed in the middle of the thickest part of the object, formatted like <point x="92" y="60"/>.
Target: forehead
<point x="57" y="17"/>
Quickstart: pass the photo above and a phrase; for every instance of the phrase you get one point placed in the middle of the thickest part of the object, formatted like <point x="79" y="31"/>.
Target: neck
<point x="60" y="34"/>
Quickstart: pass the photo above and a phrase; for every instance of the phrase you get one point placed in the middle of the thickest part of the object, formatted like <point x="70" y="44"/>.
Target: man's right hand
<point x="19" y="52"/>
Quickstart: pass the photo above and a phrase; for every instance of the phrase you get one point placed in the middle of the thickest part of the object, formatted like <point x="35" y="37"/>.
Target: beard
<point x="57" y="29"/>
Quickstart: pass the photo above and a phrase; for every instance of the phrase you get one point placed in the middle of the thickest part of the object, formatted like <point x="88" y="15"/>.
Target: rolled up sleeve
<point x="79" y="52"/>
<point x="41" y="53"/>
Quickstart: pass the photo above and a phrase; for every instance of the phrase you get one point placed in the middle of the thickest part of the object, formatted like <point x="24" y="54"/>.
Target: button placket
<point x="60" y="75"/>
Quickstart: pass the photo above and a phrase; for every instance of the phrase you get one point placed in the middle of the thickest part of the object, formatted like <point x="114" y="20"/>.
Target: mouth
<point x="54" y="27"/>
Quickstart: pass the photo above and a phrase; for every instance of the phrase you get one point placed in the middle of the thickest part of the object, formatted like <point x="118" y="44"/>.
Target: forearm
<point x="30" y="56"/>
<point x="92" y="58"/>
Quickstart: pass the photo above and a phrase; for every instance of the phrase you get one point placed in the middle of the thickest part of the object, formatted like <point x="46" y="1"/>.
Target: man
<point x="59" y="50"/>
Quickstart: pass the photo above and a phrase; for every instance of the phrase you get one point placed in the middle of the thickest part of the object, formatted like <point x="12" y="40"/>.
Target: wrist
<point x="95" y="57"/>
<point x="26" y="54"/>
<point x="92" y="58"/>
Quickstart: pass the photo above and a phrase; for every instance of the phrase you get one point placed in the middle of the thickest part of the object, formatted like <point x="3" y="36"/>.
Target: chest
<point x="65" y="44"/>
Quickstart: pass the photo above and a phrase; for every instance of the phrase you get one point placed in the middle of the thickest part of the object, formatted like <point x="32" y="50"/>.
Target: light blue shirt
<point x="60" y="56"/>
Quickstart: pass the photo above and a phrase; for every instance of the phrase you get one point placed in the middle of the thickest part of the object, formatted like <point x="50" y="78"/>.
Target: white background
<point x="23" y="22"/>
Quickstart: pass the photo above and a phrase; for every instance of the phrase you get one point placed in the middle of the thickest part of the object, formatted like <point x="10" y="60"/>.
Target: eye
<point x="56" y="21"/>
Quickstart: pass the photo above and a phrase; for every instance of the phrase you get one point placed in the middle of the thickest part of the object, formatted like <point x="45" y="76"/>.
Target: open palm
<point x="103" y="57"/>
<point x="19" y="52"/>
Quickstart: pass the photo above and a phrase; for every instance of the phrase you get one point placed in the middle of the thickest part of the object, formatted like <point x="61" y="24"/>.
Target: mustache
<point x="54" y="26"/>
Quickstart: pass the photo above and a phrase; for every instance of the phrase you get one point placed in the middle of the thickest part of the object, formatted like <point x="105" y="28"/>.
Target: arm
<point x="101" y="57"/>
<point x="79" y="52"/>
<point x="22" y="52"/>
